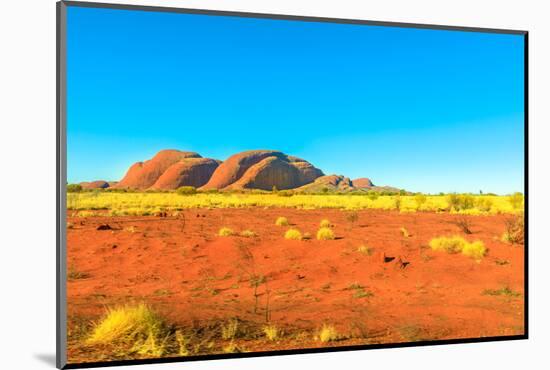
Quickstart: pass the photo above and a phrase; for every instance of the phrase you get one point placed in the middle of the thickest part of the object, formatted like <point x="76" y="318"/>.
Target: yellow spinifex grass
<point x="147" y="203"/>
<point x="293" y="234"/>
<point x="324" y="223"/>
<point x="457" y="244"/>
<point x="226" y="231"/>
<point x="271" y="332"/>
<point x="281" y="221"/>
<point x="135" y="328"/>
<point x="325" y="233"/>
<point x="327" y="333"/>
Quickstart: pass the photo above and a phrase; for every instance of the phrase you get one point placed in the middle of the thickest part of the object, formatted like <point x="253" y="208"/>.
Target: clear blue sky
<point x="424" y="110"/>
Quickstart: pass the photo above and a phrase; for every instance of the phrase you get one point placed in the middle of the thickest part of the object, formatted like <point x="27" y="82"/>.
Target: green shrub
<point x="225" y="231"/>
<point x="460" y="201"/>
<point x="74" y="188"/>
<point x="293" y="234"/>
<point x="516" y="200"/>
<point x="325" y="233"/>
<point x="186" y="190"/>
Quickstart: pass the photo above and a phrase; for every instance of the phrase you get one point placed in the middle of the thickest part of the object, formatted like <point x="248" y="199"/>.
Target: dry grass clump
<point x="327" y="333"/>
<point x="248" y="234"/>
<point x="515" y="230"/>
<point x="456" y="244"/>
<point x="229" y="330"/>
<point x="293" y="234"/>
<point x="364" y="249"/>
<point x="135" y="329"/>
<point x="225" y="231"/>
<point x="324" y="223"/>
<point x="325" y="233"/>
<point x="404" y="232"/>
<point x="281" y="221"/>
<point x="271" y="332"/>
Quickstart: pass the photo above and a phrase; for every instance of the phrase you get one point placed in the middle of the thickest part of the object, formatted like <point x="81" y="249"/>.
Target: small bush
<point x="225" y="231"/>
<point x="186" y="190"/>
<point x="475" y="250"/>
<point x="456" y="244"/>
<point x="516" y="200"/>
<point x="293" y="234"/>
<point x="325" y="233"/>
<point x="74" y="188"/>
<point x="464" y="224"/>
<point x="373" y="195"/>
<point x="327" y="333"/>
<point x="460" y="202"/>
<point x="364" y="249"/>
<point x="137" y="328"/>
<point x="420" y="199"/>
<point x="248" y="234"/>
<point x="281" y="221"/>
<point x="271" y="332"/>
<point x="324" y="223"/>
<point x="484" y="204"/>
<point x="515" y="230"/>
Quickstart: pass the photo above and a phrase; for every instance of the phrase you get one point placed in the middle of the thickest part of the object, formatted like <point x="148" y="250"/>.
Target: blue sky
<point x="424" y="110"/>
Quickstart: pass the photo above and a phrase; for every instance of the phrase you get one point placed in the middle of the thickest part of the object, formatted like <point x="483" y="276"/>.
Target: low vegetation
<point x="293" y="234"/>
<point x="248" y="234"/>
<point x="325" y="233"/>
<point x="225" y="231"/>
<point x="132" y="329"/>
<point x="271" y="332"/>
<point x="456" y="244"/>
<point x="504" y="291"/>
<point x="327" y="333"/>
<point x="281" y="221"/>
<point x="145" y="203"/>
<point x="324" y="223"/>
<point x="186" y="190"/>
<point x="515" y="230"/>
<point x="364" y="249"/>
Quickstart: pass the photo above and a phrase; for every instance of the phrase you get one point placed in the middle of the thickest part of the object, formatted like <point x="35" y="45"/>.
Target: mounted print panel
<point x="238" y="184"/>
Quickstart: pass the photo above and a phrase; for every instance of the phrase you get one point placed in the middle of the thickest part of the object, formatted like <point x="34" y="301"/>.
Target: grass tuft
<point x="281" y="221"/>
<point x="137" y="329"/>
<point x="327" y="334"/>
<point x="248" y="234"/>
<point x="325" y="233"/>
<point x="293" y="234"/>
<point x="271" y="332"/>
<point x="325" y="223"/>
<point x="364" y="249"/>
<point x="225" y="231"/>
<point x="456" y="244"/>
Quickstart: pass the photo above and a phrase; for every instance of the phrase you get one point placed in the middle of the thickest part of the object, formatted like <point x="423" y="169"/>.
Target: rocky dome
<point x="187" y="172"/>
<point x="262" y="169"/>
<point x="99" y="184"/>
<point x="331" y="183"/>
<point x="363" y="183"/>
<point x="143" y="175"/>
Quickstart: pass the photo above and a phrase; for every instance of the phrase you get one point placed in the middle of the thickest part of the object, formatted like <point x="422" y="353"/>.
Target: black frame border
<point x="61" y="175"/>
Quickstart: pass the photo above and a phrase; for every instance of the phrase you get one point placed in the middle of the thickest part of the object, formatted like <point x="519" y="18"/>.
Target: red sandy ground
<point x="189" y="274"/>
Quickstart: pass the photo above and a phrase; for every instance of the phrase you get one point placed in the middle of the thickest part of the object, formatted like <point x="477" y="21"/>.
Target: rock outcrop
<point x="187" y="172"/>
<point x="362" y="183"/>
<point x="99" y="184"/>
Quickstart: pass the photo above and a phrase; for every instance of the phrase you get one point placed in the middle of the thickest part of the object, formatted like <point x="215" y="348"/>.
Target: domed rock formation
<point x="187" y="172"/>
<point x="330" y="183"/>
<point x="99" y="184"/>
<point x="262" y="169"/>
<point x="362" y="183"/>
<point x="142" y="175"/>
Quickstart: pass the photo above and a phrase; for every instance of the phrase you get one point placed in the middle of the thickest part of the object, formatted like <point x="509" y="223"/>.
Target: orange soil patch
<point x="189" y="274"/>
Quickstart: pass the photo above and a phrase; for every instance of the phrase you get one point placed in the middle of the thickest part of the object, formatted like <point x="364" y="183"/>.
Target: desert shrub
<point x="397" y="202"/>
<point x="475" y="250"/>
<point x="373" y="195"/>
<point x="404" y="232"/>
<point x="456" y="244"/>
<point x="248" y="233"/>
<point x="135" y="328"/>
<point x="464" y="224"/>
<point x="225" y="231"/>
<point x="186" y="190"/>
<point x="271" y="332"/>
<point x="285" y="193"/>
<point x="484" y="204"/>
<point x="183" y="344"/>
<point x="420" y="199"/>
<point x="460" y="202"/>
<point x="293" y="234"/>
<point x="352" y="217"/>
<point x="281" y="221"/>
<point x="324" y="223"/>
<point x="364" y="249"/>
<point x="74" y="188"/>
<point x="327" y="333"/>
<point x="325" y="233"/>
<point x="516" y="200"/>
<point x="515" y="230"/>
